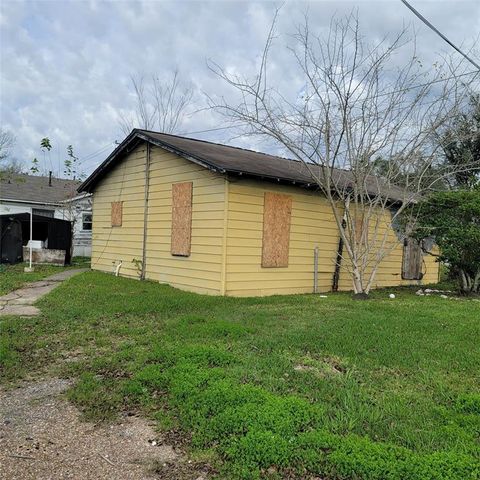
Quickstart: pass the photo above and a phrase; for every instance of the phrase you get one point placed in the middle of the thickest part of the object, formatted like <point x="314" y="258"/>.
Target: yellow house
<point x="220" y="220"/>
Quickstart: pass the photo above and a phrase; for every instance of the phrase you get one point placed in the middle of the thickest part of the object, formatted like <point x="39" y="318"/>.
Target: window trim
<point x="90" y="222"/>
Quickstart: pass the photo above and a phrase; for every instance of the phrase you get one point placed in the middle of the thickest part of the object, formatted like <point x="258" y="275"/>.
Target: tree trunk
<point x="476" y="283"/>
<point x="358" y="288"/>
<point x="469" y="285"/>
<point x="464" y="282"/>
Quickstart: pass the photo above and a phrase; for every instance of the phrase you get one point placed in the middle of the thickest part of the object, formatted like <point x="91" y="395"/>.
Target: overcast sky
<point x="66" y="65"/>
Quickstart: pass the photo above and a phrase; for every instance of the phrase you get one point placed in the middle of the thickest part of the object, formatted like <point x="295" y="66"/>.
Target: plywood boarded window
<point x="412" y="260"/>
<point x="359" y="227"/>
<point x="277" y="212"/>
<point x="181" y="219"/>
<point x="117" y="211"/>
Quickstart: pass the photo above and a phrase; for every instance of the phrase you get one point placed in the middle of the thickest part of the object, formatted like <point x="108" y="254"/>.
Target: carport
<point x="56" y="234"/>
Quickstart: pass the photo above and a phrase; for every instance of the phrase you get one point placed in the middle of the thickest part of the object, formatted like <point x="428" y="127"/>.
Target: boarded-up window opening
<point x="359" y="228"/>
<point x="117" y="209"/>
<point x="412" y="260"/>
<point x="181" y="219"/>
<point x="277" y="212"/>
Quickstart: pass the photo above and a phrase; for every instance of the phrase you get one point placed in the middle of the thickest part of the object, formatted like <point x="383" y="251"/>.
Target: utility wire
<point x="383" y="94"/>
<point x="209" y="130"/>
<point x="393" y="92"/>
<point x="96" y="152"/>
<point x="431" y="82"/>
<point x="438" y="32"/>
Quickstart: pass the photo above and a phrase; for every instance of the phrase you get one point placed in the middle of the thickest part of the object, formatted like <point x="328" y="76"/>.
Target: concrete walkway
<point x="20" y="302"/>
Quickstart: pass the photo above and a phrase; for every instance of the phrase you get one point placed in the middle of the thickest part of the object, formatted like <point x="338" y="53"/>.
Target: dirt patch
<point x="182" y="470"/>
<point x="42" y="437"/>
<point x="322" y="367"/>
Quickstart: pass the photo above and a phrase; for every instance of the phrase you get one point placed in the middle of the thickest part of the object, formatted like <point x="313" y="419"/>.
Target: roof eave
<point x="170" y="148"/>
<point x="136" y="134"/>
<point x="97" y="174"/>
<point x="271" y="178"/>
<point x="36" y="202"/>
<point x="81" y="196"/>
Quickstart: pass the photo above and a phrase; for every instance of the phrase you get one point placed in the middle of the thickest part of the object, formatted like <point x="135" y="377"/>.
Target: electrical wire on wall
<point x="119" y="195"/>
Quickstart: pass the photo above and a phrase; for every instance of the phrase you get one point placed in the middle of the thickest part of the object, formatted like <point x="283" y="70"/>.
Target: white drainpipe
<point x="117" y="268"/>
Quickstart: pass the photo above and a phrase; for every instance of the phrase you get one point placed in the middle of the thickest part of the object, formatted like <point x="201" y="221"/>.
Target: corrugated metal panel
<point x="57" y="232"/>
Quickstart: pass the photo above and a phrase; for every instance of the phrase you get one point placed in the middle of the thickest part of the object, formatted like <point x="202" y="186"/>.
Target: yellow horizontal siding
<point x="201" y="271"/>
<point x="312" y="224"/>
<point x="227" y="230"/>
<point x="110" y="245"/>
<point x="389" y="271"/>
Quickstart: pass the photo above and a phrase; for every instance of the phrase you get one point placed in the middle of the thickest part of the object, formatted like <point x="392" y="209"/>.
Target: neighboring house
<point x="50" y="197"/>
<point x="79" y="208"/>
<point x="215" y="219"/>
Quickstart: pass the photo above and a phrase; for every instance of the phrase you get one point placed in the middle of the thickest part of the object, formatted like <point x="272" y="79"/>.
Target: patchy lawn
<point x="13" y="277"/>
<point x="297" y="386"/>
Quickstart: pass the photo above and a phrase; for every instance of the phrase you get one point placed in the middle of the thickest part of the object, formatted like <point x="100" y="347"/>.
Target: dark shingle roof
<point x="232" y="160"/>
<point x="30" y="188"/>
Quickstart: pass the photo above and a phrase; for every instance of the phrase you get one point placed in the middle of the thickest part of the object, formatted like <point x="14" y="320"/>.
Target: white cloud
<point x="66" y="65"/>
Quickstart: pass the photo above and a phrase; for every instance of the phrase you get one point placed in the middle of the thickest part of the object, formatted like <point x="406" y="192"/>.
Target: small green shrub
<point x="256" y="451"/>
<point x="468" y="403"/>
<point x="254" y="430"/>
<point x="359" y="457"/>
<point x="285" y="416"/>
<point x="152" y="377"/>
<point x="99" y="398"/>
<point x="205" y="356"/>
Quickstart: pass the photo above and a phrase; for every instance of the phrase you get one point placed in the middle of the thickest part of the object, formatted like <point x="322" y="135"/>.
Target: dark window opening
<point x="39" y="232"/>
<point x="86" y="221"/>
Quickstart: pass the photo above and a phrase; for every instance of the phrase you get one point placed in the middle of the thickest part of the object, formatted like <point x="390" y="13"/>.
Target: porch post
<point x="31" y="237"/>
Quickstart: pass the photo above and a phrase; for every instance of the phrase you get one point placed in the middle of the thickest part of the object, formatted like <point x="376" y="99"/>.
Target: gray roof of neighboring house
<point x="30" y="188"/>
<point x="225" y="159"/>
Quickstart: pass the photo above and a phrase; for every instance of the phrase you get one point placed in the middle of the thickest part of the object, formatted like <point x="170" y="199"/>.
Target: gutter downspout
<point x="117" y="269"/>
<point x="338" y="260"/>
<point x="223" y="274"/>
<point x="145" y="212"/>
<point x="315" y="269"/>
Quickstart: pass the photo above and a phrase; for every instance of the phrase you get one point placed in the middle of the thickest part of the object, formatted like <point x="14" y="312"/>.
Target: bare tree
<point x="160" y="105"/>
<point x="7" y="142"/>
<point x="9" y="166"/>
<point x="359" y="102"/>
